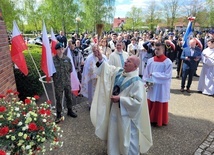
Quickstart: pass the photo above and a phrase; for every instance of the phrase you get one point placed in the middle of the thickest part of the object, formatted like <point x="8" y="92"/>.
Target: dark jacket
<point x="190" y="64"/>
<point x="62" y="39"/>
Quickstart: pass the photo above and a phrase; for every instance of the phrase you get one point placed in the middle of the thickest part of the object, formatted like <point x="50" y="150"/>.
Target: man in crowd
<point x="62" y="82"/>
<point x="62" y="38"/>
<point x="126" y="128"/>
<point x="142" y="54"/>
<point x="89" y="77"/>
<point x="126" y="41"/>
<point x="190" y="56"/>
<point x="118" y="57"/>
<point x="159" y="72"/>
<point x="112" y="43"/>
<point x="78" y="59"/>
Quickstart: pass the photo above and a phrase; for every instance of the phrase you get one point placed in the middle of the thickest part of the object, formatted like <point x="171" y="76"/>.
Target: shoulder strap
<point x="129" y="82"/>
<point x="118" y="75"/>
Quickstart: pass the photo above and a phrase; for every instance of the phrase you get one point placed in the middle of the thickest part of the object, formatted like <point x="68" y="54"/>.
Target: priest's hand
<point x="115" y="99"/>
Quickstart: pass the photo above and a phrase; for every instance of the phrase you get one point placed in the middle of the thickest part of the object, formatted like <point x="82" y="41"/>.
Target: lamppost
<point x="78" y="19"/>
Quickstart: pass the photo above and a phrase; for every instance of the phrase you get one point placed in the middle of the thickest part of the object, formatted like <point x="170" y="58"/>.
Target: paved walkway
<point x="190" y="128"/>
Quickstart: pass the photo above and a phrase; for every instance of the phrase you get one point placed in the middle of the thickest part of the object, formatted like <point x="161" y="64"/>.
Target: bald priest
<point x="119" y="109"/>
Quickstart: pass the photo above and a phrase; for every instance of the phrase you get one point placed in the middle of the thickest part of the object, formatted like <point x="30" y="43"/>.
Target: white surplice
<point x="161" y="73"/>
<point x="142" y="54"/>
<point x="206" y="80"/>
<point x="89" y="77"/>
<point x="114" y="58"/>
<point x="125" y="128"/>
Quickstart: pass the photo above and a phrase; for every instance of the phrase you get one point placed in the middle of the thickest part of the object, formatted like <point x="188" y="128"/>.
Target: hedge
<point x="30" y="85"/>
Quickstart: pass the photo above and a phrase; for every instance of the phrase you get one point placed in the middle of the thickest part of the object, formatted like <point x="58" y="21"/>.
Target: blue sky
<point x="123" y="6"/>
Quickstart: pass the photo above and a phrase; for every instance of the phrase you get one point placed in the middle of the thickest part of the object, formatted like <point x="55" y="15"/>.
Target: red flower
<point x="56" y="139"/>
<point x="2" y="96"/>
<point x="27" y="101"/>
<point x="16" y="121"/>
<point x="32" y="127"/>
<point x="38" y="148"/>
<point x="4" y="130"/>
<point x="2" y="152"/>
<point x="36" y="97"/>
<point x="9" y="91"/>
<point x="48" y="112"/>
<point x="48" y="102"/>
<point x="41" y="128"/>
<point x="16" y="93"/>
<point x="42" y="111"/>
<point x="2" y="109"/>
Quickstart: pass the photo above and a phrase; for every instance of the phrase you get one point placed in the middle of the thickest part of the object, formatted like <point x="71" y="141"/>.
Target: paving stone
<point x="199" y="150"/>
<point x="211" y="150"/>
<point x="203" y="146"/>
<point x="206" y="153"/>
<point x="197" y="153"/>
<point x="209" y="139"/>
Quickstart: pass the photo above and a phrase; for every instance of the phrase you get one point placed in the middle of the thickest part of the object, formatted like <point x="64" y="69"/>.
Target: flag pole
<point x="181" y="66"/>
<point x="39" y="75"/>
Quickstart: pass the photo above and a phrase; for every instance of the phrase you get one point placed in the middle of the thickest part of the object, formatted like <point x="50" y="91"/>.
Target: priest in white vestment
<point x="89" y="77"/>
<point x="119" y="109"/>
<point x="142" y="54"/>
<point x="206" y="80"/>
<point x="158" y="71"/>
<point x="118" y="57"/>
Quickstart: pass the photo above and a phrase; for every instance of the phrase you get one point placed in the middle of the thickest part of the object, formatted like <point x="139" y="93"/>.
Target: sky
<point x="123" y="6"/>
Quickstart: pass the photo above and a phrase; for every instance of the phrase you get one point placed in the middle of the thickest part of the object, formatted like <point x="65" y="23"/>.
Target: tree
<point x="171" y="8"/>
<point x="96" y="11"/>
<point x="32" y="15"/>
<point x="59" y="14"/>
<point x="134" y="19"/>
<point x="151" y="15"/>
<point x="10" y="12"/>
<point x="193" y="7"/>
<point x="211" y="12"/>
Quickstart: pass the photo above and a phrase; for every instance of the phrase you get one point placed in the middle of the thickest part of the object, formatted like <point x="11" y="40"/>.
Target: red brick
<point x="7" y="79"/>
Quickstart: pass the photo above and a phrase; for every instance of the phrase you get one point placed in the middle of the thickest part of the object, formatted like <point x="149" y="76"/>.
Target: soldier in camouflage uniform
<point x="62" y="82"/>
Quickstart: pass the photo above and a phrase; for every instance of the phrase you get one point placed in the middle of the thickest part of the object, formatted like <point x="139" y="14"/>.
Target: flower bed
<point x="26" y="126"/>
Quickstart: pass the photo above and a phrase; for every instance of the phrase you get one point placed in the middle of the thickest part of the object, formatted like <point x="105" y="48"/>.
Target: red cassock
<point x="159" y="95"/>
<point x="158" y="112"/>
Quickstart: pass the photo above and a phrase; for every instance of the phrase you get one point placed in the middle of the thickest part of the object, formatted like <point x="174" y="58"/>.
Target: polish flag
<point x="75" y="83"/>
<point x="53" y="42"/>
<point x="17" y="47"/>
<point x="47" y="64"/>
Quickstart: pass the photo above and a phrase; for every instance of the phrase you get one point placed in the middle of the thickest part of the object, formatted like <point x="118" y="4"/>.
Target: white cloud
<point x="123" y="6"/>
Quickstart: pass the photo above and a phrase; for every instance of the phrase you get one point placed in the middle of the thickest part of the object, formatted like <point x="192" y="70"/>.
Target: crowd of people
<point x="117" y="69"/>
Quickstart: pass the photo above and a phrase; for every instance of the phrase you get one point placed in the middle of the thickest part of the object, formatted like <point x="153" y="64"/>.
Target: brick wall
<point x="7" y="79"/>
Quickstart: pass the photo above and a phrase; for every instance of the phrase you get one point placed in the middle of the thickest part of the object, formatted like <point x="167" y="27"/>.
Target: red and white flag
<point x="75" y="83"/>
<point x="17" y="47"/>
<point x="53" y="42"/>
<point x="47" y="64"/>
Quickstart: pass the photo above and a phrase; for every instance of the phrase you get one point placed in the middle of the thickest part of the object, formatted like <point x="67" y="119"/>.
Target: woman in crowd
<point x="104" y="47"/>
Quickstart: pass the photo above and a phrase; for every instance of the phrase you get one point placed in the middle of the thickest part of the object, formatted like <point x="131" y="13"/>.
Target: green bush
<point x="30" y="85"/>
